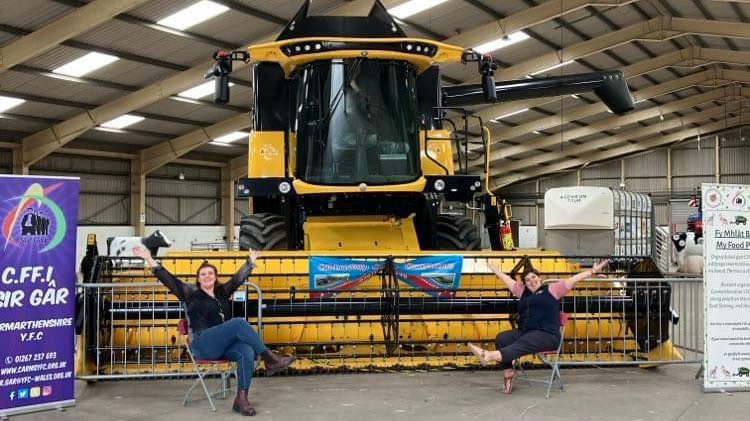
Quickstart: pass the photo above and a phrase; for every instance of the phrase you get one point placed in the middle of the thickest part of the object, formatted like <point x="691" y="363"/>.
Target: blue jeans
<point x="232" y="340"/>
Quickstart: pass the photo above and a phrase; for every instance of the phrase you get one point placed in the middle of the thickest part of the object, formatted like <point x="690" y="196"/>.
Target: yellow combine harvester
<point x="353" y="156"/>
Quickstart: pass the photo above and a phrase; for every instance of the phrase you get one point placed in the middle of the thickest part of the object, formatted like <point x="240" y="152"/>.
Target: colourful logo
<point x="39" y="217"/>
<point x="35" y="392"/>
<point x="23" y="393"/>
<point x="46" y="390"/>
<point x="12" y="395"/>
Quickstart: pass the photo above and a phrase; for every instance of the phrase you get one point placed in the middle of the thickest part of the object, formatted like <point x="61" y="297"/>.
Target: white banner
<point x="726" y="282"/>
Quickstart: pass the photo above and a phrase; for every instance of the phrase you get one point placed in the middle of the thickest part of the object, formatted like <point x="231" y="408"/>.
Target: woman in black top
<point x="213" y="334"/>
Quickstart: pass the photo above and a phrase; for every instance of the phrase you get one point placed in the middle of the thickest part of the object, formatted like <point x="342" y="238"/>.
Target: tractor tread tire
<point x="456" y="232"/>
<point x="263" y="231"/>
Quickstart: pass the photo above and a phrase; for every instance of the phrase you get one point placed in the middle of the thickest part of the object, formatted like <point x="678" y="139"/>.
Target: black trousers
<point x="514" y="343"/>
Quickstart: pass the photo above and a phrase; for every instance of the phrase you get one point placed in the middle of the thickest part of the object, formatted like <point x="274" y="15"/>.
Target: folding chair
<point x="214" y="365"/>
<point x="552" y="359"/>
<point x="203" y="368"/>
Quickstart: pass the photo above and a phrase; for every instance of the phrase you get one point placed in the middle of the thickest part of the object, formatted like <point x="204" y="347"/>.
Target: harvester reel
<point x="263" y="231"/>
<point x="456" y="232"/>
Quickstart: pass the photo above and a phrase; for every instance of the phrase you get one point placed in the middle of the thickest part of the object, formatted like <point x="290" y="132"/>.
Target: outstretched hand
<point x="600" y="266"/>
<point x="254" y="255"/>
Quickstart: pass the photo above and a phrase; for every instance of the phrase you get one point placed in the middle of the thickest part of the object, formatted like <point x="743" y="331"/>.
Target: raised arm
<point x="239" y="278"/>
<point x="174" y="285"/>
<point x="515" y="288"/>
<point x="573" y="280"/>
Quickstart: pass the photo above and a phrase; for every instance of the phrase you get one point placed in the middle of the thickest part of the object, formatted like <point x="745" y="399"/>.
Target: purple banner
<point x="38" y="219"/>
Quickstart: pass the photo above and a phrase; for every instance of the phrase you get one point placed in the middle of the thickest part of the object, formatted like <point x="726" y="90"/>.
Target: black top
<point x="203" y="310"/>
<point x="539" y="311"/>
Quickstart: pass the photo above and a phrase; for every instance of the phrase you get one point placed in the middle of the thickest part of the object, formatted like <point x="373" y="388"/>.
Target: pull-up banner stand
<point x="726" y="285"/>
<point x="38" y="219"/>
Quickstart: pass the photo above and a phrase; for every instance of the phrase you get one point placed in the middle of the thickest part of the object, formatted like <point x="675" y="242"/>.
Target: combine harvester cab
<point x="366" y="214"/>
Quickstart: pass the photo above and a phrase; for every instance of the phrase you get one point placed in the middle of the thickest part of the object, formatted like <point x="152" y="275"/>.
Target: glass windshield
<point x="357" y="122"/>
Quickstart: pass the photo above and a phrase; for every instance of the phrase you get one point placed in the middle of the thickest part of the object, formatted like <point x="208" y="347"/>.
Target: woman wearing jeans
<point x="213" y="334"/>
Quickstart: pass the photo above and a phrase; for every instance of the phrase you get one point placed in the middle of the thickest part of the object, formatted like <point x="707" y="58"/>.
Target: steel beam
<point x="227" y="204"/>
<point x="542" y="142"/>
<point x="68" y="26"/>
<point x="654" y="142"/>
<point x="628" y="135"/>
<point x="161" y="154"/>
<point x="137" y="198"/>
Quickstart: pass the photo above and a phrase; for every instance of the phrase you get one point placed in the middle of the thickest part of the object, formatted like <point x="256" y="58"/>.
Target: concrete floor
<point x="667" y="393"/>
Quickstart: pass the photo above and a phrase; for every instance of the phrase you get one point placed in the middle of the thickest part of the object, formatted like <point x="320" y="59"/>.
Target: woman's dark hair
<point x="201" y="267"/>
<point x="528" y="271"/>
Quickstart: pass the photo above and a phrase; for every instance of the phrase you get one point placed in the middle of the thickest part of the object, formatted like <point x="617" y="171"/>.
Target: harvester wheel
<point x="263" y="231"/>
<point x="456" y="232"/>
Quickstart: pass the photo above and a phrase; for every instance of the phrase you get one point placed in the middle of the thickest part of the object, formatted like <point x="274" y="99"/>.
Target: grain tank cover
<point x="588" y="208"/>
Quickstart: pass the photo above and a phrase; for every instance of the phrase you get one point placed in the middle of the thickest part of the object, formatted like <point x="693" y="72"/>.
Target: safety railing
<point x="128" y="321"/>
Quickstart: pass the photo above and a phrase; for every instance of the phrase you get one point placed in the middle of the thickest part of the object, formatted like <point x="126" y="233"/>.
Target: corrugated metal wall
<point x="105" y="186"/>
<point x="647" y="172"/>
<point x="6" y="161"/>
<point x="194" y="200"/>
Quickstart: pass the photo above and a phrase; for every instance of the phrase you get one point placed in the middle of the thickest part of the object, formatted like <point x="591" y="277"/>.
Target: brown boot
<point x="275" y="362"/>
<point x="242" y="405"/>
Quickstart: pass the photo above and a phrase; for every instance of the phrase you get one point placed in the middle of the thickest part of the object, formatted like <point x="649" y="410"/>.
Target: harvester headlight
<point x="477" y="184"/>
<point x="439" y="185"/>
<point x="419" y="48"/>
<point x="409" y="47"/>
<point x="297" y="48"/>
<point x="307" y="47"/>
<point x="285" y="187"/>
<point x="362" y="187"/>
<point x="318" y="46"/>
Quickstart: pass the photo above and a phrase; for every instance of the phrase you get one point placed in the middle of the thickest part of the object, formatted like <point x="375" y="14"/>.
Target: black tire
<point x="263" y="231"/>
<point x="456" y="232"/>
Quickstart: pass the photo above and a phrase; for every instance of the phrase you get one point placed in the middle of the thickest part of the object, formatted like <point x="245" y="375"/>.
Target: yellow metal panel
<point x="438" y="147"/>
<point x="302" y="187"/>
<point x="292" y="163"/>
<point x="272" y="52"/>
<point x="360" y="233"/>
<point x="266" y="156"/>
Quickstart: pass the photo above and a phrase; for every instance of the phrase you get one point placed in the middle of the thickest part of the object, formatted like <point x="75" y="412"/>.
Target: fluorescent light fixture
<point x="564" y="63"/>
<point x="204" y="89"/>
<point x="575" y="96"/>
<point x="6" y="103"/>
<point x="231" y="137"/>
<point x="122" y="121"/>
<point x="510" y="114"/>
<point x="413" y="7"/>
<point x="193" y="15"/>
<point x="501" y="42"/>
<point x="536" y="132"/>
<point x="85" y="64"/>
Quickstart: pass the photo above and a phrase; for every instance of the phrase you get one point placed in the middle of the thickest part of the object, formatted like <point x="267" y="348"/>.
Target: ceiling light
<point x="413" y="7"/>
<point x="85" y="64"/>
<point x="536" y="132"/>
<point x="193" y="15"/>
<point x="511" y="114"/>
<point x="565" y="63"/>
<point x="501" y="42"/>
<point x="200" y="91"/>
<point x="122" y="121"/>
<point x="231" y="137"/>
<point x="6" y="103"/>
